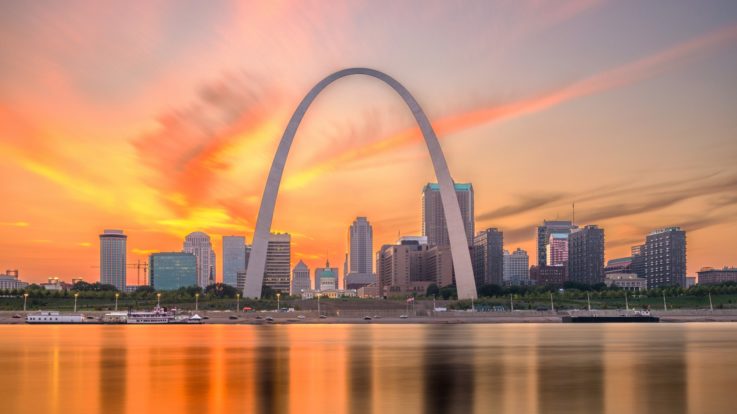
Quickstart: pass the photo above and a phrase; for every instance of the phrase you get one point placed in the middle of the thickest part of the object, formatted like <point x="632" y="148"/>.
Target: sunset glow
<point x="166" y="123"/>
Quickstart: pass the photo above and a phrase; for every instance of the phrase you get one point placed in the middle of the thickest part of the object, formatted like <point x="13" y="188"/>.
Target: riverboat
<point x="158" y="316"/>
<point x="637" y="317"/>
<point x="54" y="317"/>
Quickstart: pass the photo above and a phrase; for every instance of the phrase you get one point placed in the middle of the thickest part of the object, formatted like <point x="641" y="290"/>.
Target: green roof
<point x="458" y="186"/>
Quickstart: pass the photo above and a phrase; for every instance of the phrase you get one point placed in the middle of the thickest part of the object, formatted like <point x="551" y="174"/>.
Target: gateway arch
<point x="459" y="248"/>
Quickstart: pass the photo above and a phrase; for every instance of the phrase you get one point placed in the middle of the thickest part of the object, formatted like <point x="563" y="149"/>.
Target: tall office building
<point x="556" y="251"/>
<point x="361" y="241"/>
<point x="198" y="243"/>
<point x="171" y="271"/>
<point x="586" y="255"/>
<point x="234" y="258"/>
<point x="516" y="267"/>
<point x="664" y="256"/>
<point x="488" y="257"/>
<point x="278" y="262"/>
<point x="358" y="270"/>
<point x="433" y="217"/>
<point x="112" y="258"/>
<point x="543" y="236"/>
<point x="300" y="278"/>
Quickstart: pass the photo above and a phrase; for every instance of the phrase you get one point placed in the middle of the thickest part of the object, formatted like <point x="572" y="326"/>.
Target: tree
<point x="142" y="290"/>
<point x="267" y="292"/>
<point x="221" y="290"/>
<point x="490" y="290"/>
<point x="448" y="292"/>
<point x="432" y="290"/>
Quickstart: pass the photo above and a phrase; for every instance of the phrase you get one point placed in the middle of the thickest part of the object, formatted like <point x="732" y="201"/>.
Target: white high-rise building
<point x="234" y="259"/>
<point x="198" y="243"/>
<point x="112" y="258"/>
<point x="516" y="267"/>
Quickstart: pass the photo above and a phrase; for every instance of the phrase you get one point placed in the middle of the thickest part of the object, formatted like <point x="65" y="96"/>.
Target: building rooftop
<point x="458" y="186"/>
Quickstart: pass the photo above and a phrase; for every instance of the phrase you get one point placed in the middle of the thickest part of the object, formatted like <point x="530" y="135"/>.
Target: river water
<point x="505" y="368"/>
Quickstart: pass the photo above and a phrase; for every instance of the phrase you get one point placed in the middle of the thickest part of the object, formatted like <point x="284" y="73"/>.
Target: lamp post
<point x="318" y="305"/>
<point x="25" y="299"/>
<point x="196" y="301"/>
<point x="116" y="301"/>
<point x="711" y="305"/>
<point x="75" y="301"/>
<point x="552" y="305"/>
<point x="238" y="302"/>
<point x="158" y="300"/>
<point x="278" y="303"/>
<point x="665" y="305"/>
<point x="511" y="302"/>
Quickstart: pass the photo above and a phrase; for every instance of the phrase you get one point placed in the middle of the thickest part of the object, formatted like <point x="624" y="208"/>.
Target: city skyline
<point x="638" y="134"/>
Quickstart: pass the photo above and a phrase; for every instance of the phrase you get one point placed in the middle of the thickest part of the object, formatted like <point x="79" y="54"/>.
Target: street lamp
<point x="116" y="301"/>
<point x="238" y="298"/>
<point x="158" y="300"/>
<point x="278" y="307"/>
<point x="196" y="301"/>
<point x="25" y="299"/>
<point x="75" y="301"/>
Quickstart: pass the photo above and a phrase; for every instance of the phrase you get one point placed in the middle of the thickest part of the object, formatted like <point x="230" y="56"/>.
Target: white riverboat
<point x="158" y="316"/>
<point x="54" y="317"/>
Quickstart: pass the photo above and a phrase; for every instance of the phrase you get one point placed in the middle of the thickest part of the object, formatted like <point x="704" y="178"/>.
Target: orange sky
<point x="162" y="119"/>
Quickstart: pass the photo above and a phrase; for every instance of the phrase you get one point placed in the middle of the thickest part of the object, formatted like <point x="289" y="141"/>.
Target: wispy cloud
<point x="616" y="77"/>
<point x="14" y="224"/>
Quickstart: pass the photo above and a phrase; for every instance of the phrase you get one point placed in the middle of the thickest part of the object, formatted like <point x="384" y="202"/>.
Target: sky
<point x="161" y="118"/>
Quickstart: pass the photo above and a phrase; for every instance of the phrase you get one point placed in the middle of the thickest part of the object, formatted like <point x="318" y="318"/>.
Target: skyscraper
<point x="488" y="257"/>
<point x="278" y="262"/>
<point x="112" y="258"/>
<point x="361" y="240"/>
<point x="543" y="237"/>
<point x="586" y="255"/>
<point x="664" y="255"/>
<point x="198" y="243"/>
<point x="234" y="258"/>
<point x="359" y="271"/>
<point x="433" y="217"/>
<point x="171" y="271"/>
<point x="300" y="278"/>
<point x="516" y="267"/>
<point x="556" y="251"/>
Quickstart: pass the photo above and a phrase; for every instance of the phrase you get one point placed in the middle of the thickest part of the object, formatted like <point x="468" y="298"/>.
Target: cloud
<point x="190" y="147"/>
<point x="619" y="76"/>
<point x="525" y="204"/>
<point x="14" y="224"/>
<point x="641" y="200"/>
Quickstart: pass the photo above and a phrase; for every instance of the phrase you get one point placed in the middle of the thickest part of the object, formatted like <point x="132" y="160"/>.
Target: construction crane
<point x="138" y="265"/>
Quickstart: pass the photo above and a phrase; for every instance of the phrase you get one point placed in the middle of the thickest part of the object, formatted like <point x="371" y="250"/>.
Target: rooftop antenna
<point x="573" y="219"/>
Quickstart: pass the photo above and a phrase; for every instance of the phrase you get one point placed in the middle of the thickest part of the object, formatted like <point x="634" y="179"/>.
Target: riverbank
<point x="384" y="317"/>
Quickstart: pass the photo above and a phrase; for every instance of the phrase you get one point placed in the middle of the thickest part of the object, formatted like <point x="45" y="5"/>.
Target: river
<point x="495" y="368"/>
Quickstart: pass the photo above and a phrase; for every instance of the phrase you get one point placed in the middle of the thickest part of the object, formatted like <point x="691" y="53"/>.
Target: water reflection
<point x="369" y="369"/>
<point x="570" y="372"/>
<point x="448" y="373"/>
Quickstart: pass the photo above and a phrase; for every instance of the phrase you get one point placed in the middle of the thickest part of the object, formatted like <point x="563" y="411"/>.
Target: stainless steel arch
<point x="465" y="282"/>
